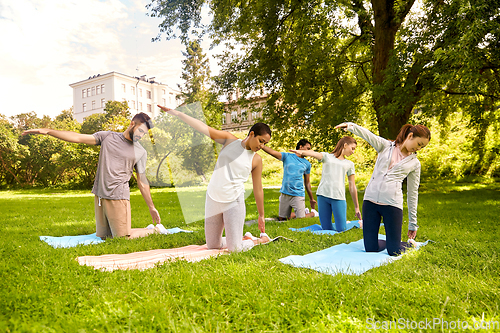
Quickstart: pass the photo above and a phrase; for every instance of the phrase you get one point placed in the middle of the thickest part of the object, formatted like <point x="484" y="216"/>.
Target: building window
<point x="148" y="93"/>
<point x="88" y="92"/>
<point x="133" y="104"/>
<point x="234" y="116"/>
<point x="149" y="107"/>
<point x="170" y="99"/>
<point x="84" y="107"/>
<point x="255" y="115"/>
<point x="93" y="105"/>
<point x="132" y="90"/>
<point x="102" y="88"/>
<point x="124" y="88"/>
<point x="140" y="92"/>
<point x="84" y="93"/>
<point x="140" y="106"/>
<point x="164" y="102"/>
<point x="103" y="103"/>
<point x="97" y="90"/>
<point x="244" y="114"/>
<point x="223" y="118"/>
<point x="163" y="91"/>
<point x="93" y="91"/>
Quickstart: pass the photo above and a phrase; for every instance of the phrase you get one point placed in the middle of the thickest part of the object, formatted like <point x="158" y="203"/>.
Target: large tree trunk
<point x="387" y="24"/>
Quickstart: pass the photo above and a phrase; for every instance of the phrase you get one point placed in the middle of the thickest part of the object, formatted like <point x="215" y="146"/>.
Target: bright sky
<point x="45" y="45"/>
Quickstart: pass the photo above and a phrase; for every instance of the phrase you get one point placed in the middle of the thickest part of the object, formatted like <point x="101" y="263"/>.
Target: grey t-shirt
<point x="117" y="159"/>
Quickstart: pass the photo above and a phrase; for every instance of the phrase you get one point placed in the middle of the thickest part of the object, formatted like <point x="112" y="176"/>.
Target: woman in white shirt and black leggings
<point x="383" y="197"/>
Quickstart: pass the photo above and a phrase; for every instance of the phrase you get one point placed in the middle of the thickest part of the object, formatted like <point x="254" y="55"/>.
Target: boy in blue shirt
<point x="292" y="188"/>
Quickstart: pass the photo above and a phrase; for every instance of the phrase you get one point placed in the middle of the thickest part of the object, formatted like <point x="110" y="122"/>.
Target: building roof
<point x="142" y="78"/>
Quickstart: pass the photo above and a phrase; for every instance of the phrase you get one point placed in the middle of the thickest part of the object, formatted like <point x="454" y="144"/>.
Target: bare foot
<point x="360" y="224"/>
<point x="412" y="242"/>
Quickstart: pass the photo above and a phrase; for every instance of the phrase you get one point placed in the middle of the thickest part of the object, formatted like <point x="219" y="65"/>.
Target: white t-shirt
<point x="231" y="172"/>
<point x="332" y="184"/>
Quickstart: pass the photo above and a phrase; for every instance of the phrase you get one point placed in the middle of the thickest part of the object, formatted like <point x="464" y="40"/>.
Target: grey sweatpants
<point x="229" y="217"/>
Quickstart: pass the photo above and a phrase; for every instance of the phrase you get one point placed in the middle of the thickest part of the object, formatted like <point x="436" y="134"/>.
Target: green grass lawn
<point x="453" y="280"/>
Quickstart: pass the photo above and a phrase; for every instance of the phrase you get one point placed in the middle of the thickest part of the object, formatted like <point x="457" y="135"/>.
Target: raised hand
<point x="342" y="126"/>
<point x="168" y="110"/>
<point x="43" y="131"/>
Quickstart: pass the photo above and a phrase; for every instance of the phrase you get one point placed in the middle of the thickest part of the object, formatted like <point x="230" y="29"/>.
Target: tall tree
<point x="324" y="61"/>
<point x="195" y="73"/>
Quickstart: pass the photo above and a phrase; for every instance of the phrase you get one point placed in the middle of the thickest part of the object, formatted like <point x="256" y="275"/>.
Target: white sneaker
<point x="316" y="214"/>
<point x="307" y="210"/>
<point x="150" y="226"/>
<point x="162" y="229"/>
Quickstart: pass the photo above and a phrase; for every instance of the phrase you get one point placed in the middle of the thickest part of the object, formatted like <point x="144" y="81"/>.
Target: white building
<point x="142" y="94"/>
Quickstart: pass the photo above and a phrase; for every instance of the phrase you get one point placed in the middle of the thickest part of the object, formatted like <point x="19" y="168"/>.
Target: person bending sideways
<point x="396" y="160"/>
<point x="331" y="189"/>
<point x="120" y="153"/>
<point x="225" y="201"/>
<point x="292" y="187"/>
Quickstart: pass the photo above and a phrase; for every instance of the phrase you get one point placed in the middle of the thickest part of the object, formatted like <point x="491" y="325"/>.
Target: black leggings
<point x="393" y="222"/>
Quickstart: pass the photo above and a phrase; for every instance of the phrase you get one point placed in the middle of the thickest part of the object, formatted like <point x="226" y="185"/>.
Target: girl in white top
<point x="331" y="189"/>
<point x="225" y="203"/>
<point x="383" y="198"/>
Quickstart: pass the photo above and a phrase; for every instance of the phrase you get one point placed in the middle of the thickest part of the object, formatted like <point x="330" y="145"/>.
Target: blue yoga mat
<point x="316" y="228"/>
<point x="72" y="241"/>
<point x="343" y="258"/>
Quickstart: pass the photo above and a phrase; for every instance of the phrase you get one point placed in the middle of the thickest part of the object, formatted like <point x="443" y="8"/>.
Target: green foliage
<point x="179" y="155"/>
<point x="44" y="289"/>
<point x="324" y="62"/>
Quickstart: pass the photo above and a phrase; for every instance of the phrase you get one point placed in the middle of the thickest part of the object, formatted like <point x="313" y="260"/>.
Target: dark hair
<point x="260" y="129"/>
<point x="340" y="145"/>
<point x="418" y="131"/>
<point x="302" y="143"/>
<point x="142" y="118"/>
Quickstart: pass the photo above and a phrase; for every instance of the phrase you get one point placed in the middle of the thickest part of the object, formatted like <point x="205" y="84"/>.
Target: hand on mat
<point x="412" y="234"/>
<point x="262" y="224"/>
<point x="342" y="126"/>
<point x="155" y="215"/>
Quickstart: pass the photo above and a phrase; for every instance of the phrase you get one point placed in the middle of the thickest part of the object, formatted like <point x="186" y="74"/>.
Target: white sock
<point x="150" y="226"/>
<point x="252" y="237"/>
<point x="262" y="234"/>
<point x="307" y="210"/>
<point x="162" y="229"/>
<point x="316" y="214"/>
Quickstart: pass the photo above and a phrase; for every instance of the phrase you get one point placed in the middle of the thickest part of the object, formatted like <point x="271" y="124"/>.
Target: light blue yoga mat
<point x="72" y="241"/>
<point x="343" y="258"/>
<point x="316" y="228"/>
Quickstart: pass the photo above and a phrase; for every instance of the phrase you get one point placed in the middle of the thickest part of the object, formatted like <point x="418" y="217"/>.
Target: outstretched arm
<point x="143" y="184"/>
<point x="307" y="185"/>
<point x="219" y="136"/>
<point x="311" y="153"/>
<point x="354" y="195"/>
<point x="258" y="191"/>
<point x="64" y="135"/>
<point x="413" y="182"/>
<point x="272" y="152"/>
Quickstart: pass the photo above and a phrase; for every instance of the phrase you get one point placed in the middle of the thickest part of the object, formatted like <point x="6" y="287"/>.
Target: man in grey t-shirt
<point x="120" y="154"/>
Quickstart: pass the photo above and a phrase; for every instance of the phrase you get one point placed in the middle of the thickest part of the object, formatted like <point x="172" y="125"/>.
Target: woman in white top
<point x="383" y="198"/>
<point x="331" y="189"/>
<point x="225" y="202"/>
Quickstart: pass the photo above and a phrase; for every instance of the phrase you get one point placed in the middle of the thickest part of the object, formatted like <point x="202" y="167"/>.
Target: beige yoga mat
<point x="148" y="259"/>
